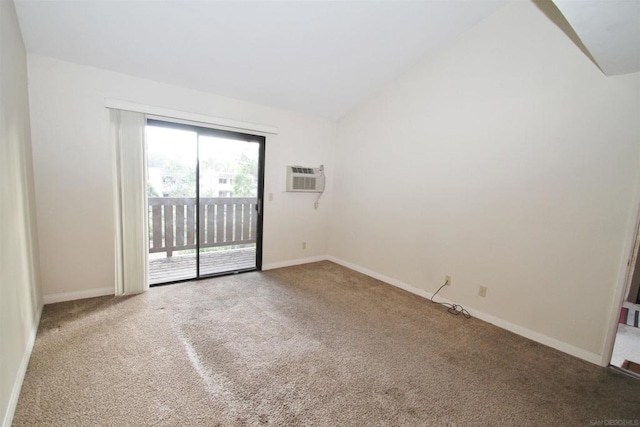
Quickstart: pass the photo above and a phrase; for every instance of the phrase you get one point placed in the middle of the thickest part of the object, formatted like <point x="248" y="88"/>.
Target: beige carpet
<point x="310" y="345"/>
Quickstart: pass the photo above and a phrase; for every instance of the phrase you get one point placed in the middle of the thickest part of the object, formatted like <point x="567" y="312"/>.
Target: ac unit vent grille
<point x="304" y="183"/>
<point x="308" y="171"/>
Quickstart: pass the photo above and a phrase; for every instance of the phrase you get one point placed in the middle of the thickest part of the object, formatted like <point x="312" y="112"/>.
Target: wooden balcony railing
<point x="223" y="222"/>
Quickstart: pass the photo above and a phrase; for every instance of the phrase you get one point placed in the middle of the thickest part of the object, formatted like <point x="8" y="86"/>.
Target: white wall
<point x="73" y="174"/>
<point x="509" y="161"/>
<point x="20" y="296"/>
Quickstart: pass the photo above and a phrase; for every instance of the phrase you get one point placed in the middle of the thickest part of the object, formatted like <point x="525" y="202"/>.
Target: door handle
<point x="259" y="207"/>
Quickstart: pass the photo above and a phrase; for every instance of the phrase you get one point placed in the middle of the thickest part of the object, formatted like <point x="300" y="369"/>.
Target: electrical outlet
<point x="304" y="245"/>
<point x="482" y="291"/>
<point x="447" y="280"/>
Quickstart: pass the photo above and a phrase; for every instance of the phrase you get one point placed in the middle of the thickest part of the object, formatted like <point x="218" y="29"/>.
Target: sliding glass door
<point x="205" y="196"/>
<point x="228" y="221"/>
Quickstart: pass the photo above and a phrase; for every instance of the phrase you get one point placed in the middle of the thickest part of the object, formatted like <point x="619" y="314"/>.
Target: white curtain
<point x="130" y="201"/>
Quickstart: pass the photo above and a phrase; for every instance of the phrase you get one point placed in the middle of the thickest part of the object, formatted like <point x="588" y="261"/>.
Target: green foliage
<point x="151" y="191"/>
<point x="245" y="183"/>
<point x="178" y="178"/>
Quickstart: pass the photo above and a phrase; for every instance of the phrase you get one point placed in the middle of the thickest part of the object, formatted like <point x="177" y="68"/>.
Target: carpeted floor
<point x="316" y="344"/>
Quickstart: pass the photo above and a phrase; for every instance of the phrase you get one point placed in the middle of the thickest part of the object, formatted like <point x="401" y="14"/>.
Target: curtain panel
<point x="130" y="201"/>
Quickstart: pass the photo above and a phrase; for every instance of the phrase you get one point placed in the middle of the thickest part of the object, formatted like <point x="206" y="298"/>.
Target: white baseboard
<point x="386" y="279"/>
<point x="293" y="262"/>
<point x="70" y="296"/>
<point x="501" y="323"/>
<point x="564" y="347"/>
<point x="22" y="371"/>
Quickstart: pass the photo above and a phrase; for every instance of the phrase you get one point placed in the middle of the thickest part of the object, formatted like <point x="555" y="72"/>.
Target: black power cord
<point x="451" y="308"/>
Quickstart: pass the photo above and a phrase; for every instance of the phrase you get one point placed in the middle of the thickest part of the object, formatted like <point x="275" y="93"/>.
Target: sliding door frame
<point x="226" y="134"/>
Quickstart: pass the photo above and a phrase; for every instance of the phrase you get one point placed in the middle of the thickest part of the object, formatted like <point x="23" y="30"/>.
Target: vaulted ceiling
<point x="610" y="31"/>
<point x="320" y="57"/>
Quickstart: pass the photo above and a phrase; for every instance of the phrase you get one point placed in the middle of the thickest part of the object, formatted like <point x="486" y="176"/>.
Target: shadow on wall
<point x="553" y="13"/>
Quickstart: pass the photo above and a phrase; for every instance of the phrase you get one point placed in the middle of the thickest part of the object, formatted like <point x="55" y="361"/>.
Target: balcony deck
<point x="180" y="267"/>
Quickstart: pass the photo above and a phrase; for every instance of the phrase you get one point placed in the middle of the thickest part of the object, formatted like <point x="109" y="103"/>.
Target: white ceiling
<point x="609" y="29"/>
<point x="320" y="57"/>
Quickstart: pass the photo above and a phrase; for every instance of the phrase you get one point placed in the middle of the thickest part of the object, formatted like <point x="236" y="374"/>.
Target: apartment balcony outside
<point x="227" y="236"/>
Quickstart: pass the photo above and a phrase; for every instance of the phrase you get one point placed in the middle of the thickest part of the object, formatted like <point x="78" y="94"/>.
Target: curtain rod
<point x="192" y="117"/>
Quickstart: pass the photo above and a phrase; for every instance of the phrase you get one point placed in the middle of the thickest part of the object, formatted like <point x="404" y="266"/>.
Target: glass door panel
<point x="228" y="194"/>
<point x="171" y="191"/>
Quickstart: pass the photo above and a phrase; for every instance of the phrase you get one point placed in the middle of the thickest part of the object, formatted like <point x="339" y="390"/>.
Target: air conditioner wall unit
<point x="305" y="179"/>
